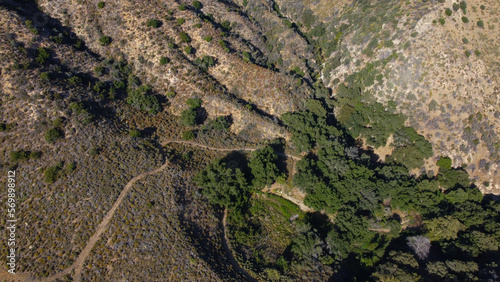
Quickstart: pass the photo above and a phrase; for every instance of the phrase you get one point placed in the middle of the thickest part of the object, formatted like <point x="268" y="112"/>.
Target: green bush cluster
<point x="105" y="40"/>
<point x="205" y="62"/>
<point x="153" y="23"/>
<point x="53" y="134"/>
<point x="141" y="97"/>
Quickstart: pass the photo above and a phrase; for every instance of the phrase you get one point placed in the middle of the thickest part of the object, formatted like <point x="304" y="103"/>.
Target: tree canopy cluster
<point x="451" y="235"/>
<point x="387" y="224"/>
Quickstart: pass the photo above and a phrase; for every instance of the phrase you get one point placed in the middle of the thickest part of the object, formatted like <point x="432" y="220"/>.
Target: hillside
<point x="174" y="140"/>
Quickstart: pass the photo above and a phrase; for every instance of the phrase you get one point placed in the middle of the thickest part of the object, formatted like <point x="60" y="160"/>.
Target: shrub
<point x="153" y="23"/>
<point x="58" y="122"/>
<point x="52" y="173"/>
<point x="480" y="24"/>
<point x="463" y="6"/>
<point x="45" y="76"/>
<point x="188" y="50"/>
<point x="105" y="40"/>
<point x="43" y="55"/>
<point x="99" y="70"/>
<point x="222" y="44"/>
<point x="197" y="5"/>
<point x="142" y="100"/>
<point x="164" y="60"/>
<point x="53" y="134"/>
<point x="180" y="21"/>
<point x="29" y="25"/>
<point x="477" y="52"/>
<point x="465" y="40"/>
<point x="197" y="25"/>
<point x="444" y="163"/>
<point x="134" y="133"/>
<point x="182" y="7"/>
<point x="194" y="103"/>
<point x="35" y="155"/>
<point x="482" y="7"/>
<point x="448" y="12"/>
<point x="465" y="19"/>
<point x="441" y="21"/>
<point x="456" y="7"/>
<point x="185" y="37"/>
<point x="171" y="94"/>
<point x="19" y="155"/>
<point x="467" y="53"/>
<point x="70" y="167"/>
<point x="100" y="5"/>
<point x="246" y="56"/>
<point x="74" y="80"/>
<point x="207" y="38"/>
<point x="226" y="25"/>
<point x="205" y="63"/>
<point x="188" y="117"/>
<point x="94" y="152"/>
<point x="188" y="135"/>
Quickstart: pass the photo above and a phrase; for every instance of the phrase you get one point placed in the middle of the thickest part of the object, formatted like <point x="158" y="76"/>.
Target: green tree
<point x="223" y="186"/>
<point x="443" y="228"/>
<point x="316" y="107"/>
<point x="263" y="166"/>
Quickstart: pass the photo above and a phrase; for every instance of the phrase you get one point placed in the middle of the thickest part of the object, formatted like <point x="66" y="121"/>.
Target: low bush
<point x="105" y="40"/>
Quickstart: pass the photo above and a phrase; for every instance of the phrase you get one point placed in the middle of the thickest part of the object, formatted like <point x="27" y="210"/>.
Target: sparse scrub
<point x="105" y="40"/>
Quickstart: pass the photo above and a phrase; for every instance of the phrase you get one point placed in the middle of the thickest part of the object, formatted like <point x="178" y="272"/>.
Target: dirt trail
<point x="229" y="250"/>
<point x="78" y="264"/>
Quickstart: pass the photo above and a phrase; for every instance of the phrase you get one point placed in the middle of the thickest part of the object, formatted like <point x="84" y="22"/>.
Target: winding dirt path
<point x="78" y="264"/>
<point x="229" y="250"/>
